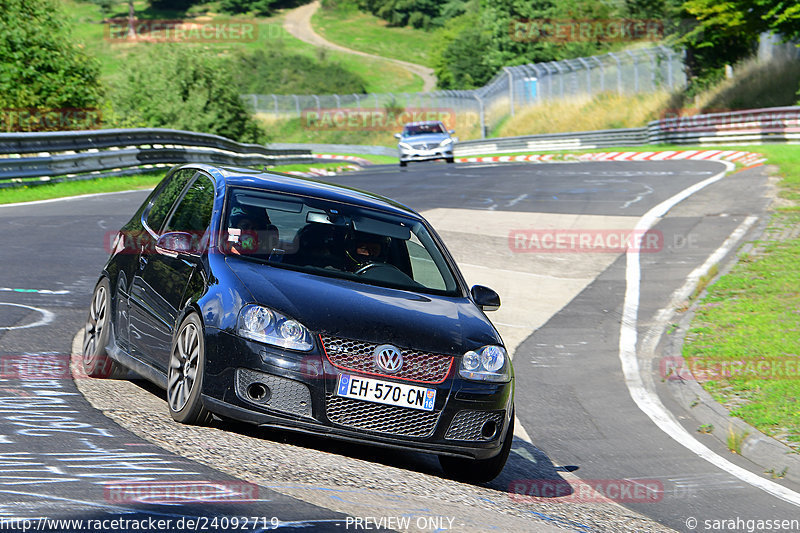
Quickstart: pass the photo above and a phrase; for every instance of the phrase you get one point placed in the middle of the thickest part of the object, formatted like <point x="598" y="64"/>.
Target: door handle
<point x="142" y="258"/>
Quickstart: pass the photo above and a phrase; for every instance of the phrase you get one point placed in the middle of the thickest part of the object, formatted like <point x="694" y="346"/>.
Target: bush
<point x="40" y="64"/>
<point x="185" y="88"/>
<point x="259" y="7"/>
<point x="278" y="72"/>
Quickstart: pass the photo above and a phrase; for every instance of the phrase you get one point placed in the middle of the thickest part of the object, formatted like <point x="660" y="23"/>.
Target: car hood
<point x="344" y="308"/>
<point x="427" y="139"/>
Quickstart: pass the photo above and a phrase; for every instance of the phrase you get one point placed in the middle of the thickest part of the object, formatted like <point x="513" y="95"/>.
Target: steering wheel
<point x="370" y="266"/>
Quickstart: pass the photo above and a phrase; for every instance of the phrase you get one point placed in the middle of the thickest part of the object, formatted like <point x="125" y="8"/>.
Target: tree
<point x="726" y="32"/>
<point x="41" y="66"/>
<point x="183" y="87"/>
<point x="172" y="5"/>
<point x="259" y="7"/>
<point x="494" y="33"/>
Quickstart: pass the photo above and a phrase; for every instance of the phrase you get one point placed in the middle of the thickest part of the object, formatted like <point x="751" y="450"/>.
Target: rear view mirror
<point x="485" y="298"/>
<point x="397" y="135"/>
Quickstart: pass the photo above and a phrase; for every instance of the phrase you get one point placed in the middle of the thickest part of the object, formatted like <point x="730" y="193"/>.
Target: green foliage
<point x="728" y="32"/>
<point x="275" y="71"/>
<point x="416" y="13"/>
<point x="186" y="88"/>
<point x="457" y="66"/>
<point x="506" y="32"/>
<point x="256" y="7"/>
<point x="173" y="5"/>
<point x="259" y="7"/>
<point x="40" y="65"/>
<point x="106" y="6"/>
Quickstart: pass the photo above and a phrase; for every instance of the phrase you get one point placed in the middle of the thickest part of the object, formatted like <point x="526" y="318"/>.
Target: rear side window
<point x="193" y="214"/>
<point x="166" y="198"/>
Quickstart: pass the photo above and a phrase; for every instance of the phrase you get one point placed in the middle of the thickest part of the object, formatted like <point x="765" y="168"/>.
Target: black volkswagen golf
<point x="295" y="304"/>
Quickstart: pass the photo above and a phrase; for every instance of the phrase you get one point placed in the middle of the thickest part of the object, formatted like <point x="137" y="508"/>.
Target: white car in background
<point x="425" y="141"/>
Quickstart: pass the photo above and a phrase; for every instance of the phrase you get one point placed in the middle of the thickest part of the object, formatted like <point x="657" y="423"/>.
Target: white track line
<point x="647" y="400"/>
<point x="47" y="317"/>
<point x="67" y="198"/>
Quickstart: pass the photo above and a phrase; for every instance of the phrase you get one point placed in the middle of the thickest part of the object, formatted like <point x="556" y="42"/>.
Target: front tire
<point x="185" y="376"/>
<point x="479" y="470"/>
<point x="450" y="160"/>
<point x="96" y="332"/>
<point x="403" y="163"/>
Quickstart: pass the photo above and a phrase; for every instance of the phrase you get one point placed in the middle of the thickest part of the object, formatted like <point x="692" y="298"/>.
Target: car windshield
<point x="331" y="239"/>
<point x="422" y="129"/>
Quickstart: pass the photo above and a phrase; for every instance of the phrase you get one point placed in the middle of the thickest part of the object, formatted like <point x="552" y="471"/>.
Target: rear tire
<point x="96" y="332"/>
<point x="479" y="470"/>
<point x="185" y="376"/>
<point x="403" y="163"/>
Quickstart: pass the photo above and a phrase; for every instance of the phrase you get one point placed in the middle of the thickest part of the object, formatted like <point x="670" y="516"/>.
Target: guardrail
<point x="81" y="153"/>
<point x="755" y="126"/>
<point x="73" y="153"/>
<point x="585" y="140"/>
<point x="360" y="149"/>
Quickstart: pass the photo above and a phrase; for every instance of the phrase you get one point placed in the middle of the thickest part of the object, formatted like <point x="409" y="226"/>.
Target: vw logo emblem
<point x="388" y="358"/>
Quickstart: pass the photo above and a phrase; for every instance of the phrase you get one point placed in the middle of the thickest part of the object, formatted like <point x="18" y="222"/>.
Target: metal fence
<point x="515" y="87"/>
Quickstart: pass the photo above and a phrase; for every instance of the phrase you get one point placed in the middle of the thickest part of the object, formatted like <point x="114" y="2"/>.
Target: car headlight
<point x="405" y="146"/>
<point x="446" y="142"/>
<point x="266" y="325"/>
<point x="489" y="363"/>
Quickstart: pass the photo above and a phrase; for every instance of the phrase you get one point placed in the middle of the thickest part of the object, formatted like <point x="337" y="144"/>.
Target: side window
<point x="423" y="266"/>
<point x="193" y="214"/>
<point x="166" y="197"/>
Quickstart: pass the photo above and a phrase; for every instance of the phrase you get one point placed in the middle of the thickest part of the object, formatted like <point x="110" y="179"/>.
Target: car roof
<point x="297" y="185"/>
<point x="423" y="122"/>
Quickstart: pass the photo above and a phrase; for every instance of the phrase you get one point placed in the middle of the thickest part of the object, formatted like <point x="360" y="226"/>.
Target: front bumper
<point x="442" y="152"/>
<point x="302" y="398"/>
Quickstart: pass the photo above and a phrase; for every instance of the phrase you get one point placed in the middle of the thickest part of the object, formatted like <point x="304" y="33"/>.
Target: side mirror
<point x="397" y="135"/>
<point x="174" y="243"/>
<point x="485" y="298"/>
<point x="452" y="132"/>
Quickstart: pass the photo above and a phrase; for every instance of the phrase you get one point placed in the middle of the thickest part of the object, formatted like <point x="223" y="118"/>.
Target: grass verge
<point x="379" y="75"/>
<point x="745" y="330"/>
<point x="373" y="36"/>
<point x="30" y="193"/>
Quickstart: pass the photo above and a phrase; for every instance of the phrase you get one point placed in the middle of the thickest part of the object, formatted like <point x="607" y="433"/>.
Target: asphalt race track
<point x="563" y="311"/>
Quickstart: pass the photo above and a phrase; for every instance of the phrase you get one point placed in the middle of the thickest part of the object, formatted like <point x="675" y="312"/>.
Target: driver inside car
<point x="366" y="249"/>
<point x="250" y="231"/>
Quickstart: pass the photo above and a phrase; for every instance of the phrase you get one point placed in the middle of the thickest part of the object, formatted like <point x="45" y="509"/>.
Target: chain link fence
<point x="512" y="89"/>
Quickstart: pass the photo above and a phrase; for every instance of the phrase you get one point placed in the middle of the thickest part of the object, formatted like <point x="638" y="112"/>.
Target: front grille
<point x="358" y="356"/>
<point x="388" y="419"/>
<point x="466" y="425"/>
<point x="425" y="146"/>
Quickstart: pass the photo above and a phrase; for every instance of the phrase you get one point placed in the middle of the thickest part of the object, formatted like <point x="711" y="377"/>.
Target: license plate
<point x="373" y="390"/>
